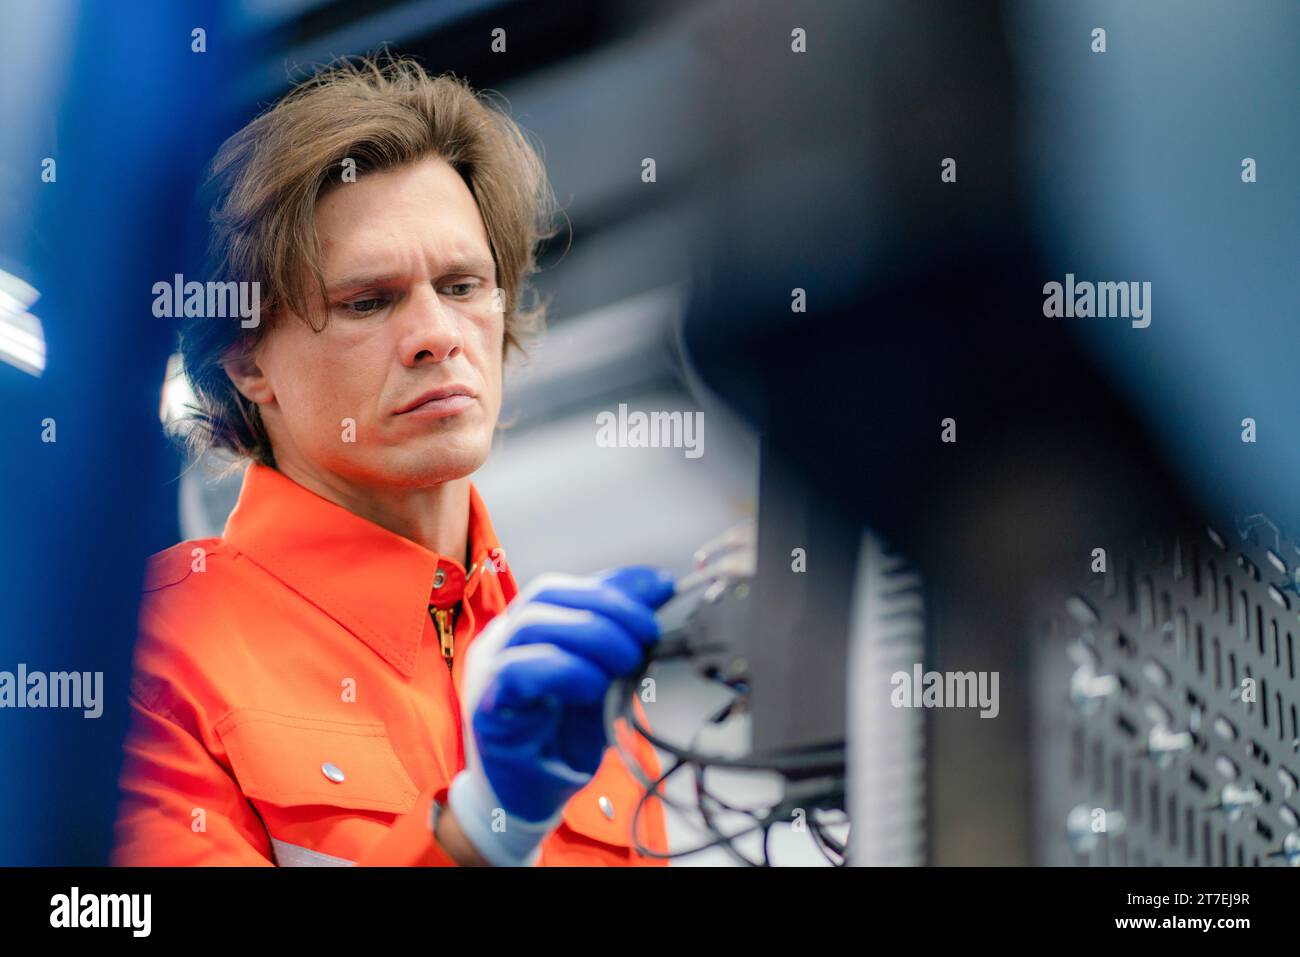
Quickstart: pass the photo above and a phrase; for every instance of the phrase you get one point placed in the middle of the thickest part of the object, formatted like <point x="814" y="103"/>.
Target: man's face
<point x="413" y="315"/>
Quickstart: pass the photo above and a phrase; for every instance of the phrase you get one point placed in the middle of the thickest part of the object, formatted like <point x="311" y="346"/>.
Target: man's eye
<point x="462" y="290"/>
<point x="363" y="307"/>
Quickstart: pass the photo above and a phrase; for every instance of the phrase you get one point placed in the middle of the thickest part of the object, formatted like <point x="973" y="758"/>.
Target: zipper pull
<point x="446" y="634"/>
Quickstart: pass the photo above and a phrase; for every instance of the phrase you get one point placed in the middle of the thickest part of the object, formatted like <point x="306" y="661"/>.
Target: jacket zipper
<point x="446" y="633"/>
<point x="445" y="627"/>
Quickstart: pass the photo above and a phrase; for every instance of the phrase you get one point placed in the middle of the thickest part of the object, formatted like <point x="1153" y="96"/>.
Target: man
<point x="338" y="678"/>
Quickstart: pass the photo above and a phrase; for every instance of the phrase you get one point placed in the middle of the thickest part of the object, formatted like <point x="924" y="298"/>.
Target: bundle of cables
<point x="812" y="780"/>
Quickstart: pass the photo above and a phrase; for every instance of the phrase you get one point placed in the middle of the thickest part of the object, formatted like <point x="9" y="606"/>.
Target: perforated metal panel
<point x="886" y="745"/>
<point x="1151" y="745"/>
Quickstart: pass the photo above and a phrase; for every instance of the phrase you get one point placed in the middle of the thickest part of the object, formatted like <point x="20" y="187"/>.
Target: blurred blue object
<point x="108" y="116"/>
<point x="1136" y="160"/>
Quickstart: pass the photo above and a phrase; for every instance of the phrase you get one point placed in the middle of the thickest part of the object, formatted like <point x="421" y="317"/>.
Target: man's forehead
<point x="419" y="213"/>
<point x="370" y="250"/>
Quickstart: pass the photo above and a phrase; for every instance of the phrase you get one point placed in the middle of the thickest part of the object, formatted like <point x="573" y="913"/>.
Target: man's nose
<point x="431" y="330"/>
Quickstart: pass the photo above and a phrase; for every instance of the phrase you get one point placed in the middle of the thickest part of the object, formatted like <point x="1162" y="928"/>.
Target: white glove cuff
<point x="516" y="844"/>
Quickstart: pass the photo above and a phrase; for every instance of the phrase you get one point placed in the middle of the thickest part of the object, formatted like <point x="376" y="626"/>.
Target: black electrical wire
<point x="828" y="759"/>
<point x="719" y="840"/>
<point x="703" y="799"/>
<point x="827" y="843"/>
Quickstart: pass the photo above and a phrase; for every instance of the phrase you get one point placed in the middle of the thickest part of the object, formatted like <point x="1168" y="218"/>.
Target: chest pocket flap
<point x="603" y="809"/>
<point x="287" y="760"/>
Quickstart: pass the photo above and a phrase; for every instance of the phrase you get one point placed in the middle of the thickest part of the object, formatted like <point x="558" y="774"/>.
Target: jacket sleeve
<point x="177" y="805"/>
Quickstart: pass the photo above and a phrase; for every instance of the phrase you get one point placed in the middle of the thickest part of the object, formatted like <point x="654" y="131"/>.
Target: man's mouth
<point x="436" y="403"/>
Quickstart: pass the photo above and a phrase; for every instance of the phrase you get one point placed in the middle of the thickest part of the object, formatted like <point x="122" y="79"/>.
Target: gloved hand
<point x="533" y="704"/>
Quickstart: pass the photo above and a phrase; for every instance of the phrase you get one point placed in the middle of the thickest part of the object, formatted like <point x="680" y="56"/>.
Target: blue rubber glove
<point x="533" y="704"/>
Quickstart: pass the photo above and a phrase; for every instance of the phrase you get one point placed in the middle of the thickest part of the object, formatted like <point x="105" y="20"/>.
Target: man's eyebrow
<point x="359" y="280"/>
<point x="467" y="266"/>
<point x="455" y="267"/>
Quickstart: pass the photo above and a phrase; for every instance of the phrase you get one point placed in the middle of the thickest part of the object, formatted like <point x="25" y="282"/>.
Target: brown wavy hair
<point x="264" y="183"/>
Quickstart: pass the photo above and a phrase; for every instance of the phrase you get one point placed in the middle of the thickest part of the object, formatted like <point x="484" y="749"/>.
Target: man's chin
<point x="411" y="468"/>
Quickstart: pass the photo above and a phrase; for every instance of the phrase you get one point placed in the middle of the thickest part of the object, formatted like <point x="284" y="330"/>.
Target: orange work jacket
<point x="292" y="701"/>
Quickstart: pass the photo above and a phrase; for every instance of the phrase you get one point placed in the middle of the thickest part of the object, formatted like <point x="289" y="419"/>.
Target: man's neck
<point x="436" y="517"/>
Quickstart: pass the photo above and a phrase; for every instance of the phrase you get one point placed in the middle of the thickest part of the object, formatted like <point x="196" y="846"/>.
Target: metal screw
<point x="1089" y="689"/>
<point x="1291" y="848"/>
<point x="1163" y="744"/>
<point x="1234" y="800"/>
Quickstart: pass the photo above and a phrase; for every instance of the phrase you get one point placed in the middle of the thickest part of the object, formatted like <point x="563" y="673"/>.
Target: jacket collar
<point x="373" y="582"/>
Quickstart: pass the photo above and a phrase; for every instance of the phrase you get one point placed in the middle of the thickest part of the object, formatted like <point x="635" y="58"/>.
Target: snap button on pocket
<point x="279" y="759"/>
<point x="606" y="807"/>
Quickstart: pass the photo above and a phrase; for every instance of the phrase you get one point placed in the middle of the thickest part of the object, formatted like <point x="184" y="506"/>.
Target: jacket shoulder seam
<point x="162" y="568"/>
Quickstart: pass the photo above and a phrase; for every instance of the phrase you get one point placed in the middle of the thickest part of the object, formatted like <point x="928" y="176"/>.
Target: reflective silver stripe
<point x="292" y="855"/>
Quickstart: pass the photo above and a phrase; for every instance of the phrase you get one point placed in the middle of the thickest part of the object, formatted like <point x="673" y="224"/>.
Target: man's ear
<point x="247" y="375"/>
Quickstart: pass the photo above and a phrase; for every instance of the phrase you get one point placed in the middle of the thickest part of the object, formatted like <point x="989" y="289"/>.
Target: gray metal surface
<point x="1190" y="756"/>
